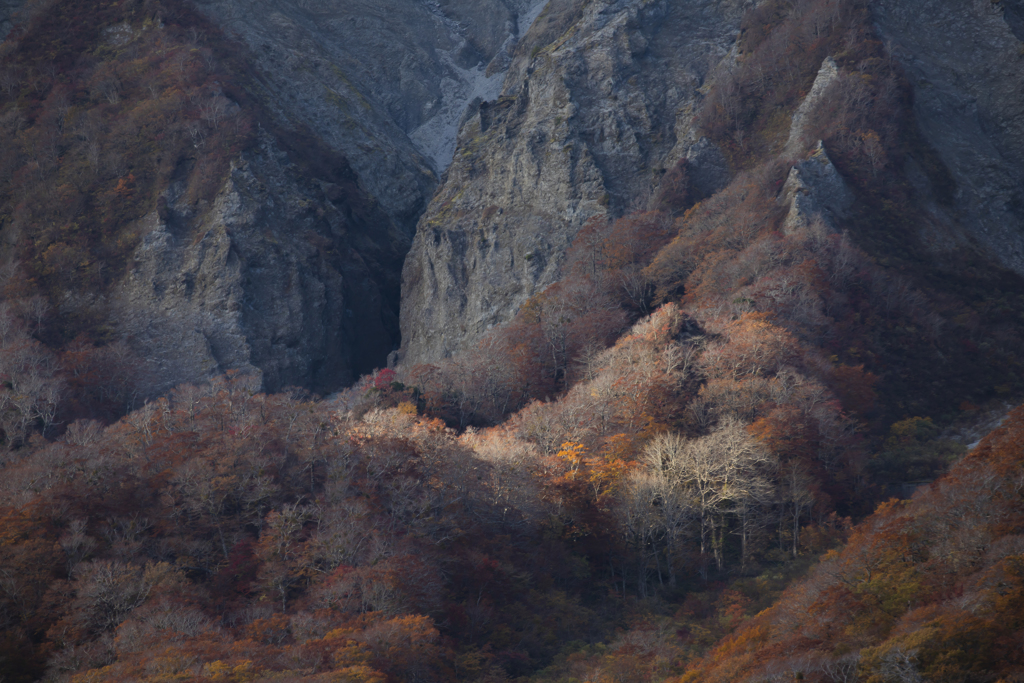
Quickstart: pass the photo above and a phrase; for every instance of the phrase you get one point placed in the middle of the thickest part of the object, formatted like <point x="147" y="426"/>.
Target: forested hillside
<point x="730" y="440"/>
<point x="924" y="590"/>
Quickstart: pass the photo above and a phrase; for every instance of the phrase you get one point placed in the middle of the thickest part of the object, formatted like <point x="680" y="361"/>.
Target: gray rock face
<point x="599" y="100"/>
<point x="276" y="279"/>
<point x="385" y="82"/>
<point x="814" y="188"/>
<point x="708" y="168"/>
<point x="827" y="75"/>
<point x="965" y="60"/>
<point x="295" y="276"/>
<point x="284" y="278"/>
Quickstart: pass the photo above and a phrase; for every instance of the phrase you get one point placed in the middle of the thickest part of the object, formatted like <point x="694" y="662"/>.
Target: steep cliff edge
<point x="578" y="117"/>
<point x="383" y="82"/>
<point x="598" y="103"/>
<point x="283" y="282"/>
<point x="289" y="266"/>
<point x="964" y="60"/>
<point x="287" y="276"/>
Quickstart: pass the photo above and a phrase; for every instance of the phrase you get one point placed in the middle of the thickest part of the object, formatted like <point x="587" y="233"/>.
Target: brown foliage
<point x="106" y="122"/>
<point x="914" y="594"/>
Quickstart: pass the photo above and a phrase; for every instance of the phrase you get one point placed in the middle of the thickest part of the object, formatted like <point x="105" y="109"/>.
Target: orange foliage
<point x="885" y="597"/>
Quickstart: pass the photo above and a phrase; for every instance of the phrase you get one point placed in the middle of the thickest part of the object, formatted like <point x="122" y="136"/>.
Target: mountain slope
<point x="968" y="102"/>
<point x="596" y="106"/>
<point x="926" y="589"/>
<point x="601" y="101"/>
<point x="703" y="286"/>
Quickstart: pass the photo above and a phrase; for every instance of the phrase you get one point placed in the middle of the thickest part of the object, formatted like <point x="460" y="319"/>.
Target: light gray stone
<point x="272" y="280"/>
<point x="827" y="75"/>
<point x="600" y="96"/>
<point x="385" y="82"/>
<point x="814" y="188"/>
<point x="707" y="167"/>
<point x="8" y="10"/>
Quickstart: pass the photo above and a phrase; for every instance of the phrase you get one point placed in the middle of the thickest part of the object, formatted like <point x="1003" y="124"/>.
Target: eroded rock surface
<point x="814" y="188"/>
<point x="385" y="82"/>
<point x="965" y="59"/>
<point x="8" y="8"/>
<point x="707" y="167"/>
<point x="827" y="75"/>
<point x="598" y="102"/>
<point x="285" y="276"/>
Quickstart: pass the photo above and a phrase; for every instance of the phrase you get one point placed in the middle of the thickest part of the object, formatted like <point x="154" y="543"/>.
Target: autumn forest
<point x="727" y="445"/>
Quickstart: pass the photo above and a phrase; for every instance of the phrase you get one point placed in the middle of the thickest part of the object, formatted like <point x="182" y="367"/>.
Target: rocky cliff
<point x="598" y="103"/>
<point x="282" y="281"/>
<point x="8" y="12"/>
<point x="480" y="136"/>
<point x="293" y="271"/>
<point x="385" y="82"/>
<point x="964" y="60"/>
<point x="287" y="276"/>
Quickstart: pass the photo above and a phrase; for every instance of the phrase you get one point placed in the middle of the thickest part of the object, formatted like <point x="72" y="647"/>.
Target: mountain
<point x="604" y="340"/>
<point x="338" y="155"/>
<point x="597" y="105"/>
<point x="601" y="101"/>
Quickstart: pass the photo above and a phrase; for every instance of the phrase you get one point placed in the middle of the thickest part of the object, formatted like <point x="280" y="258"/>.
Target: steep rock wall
<point x="281" y="277"/>
<point x="8" y="15"/>
<point x="385" y="82"/>
<point x="965" y="59"/>
<point x="286" y="276"/>
<point x="598" y="102"/>
<point x="294" y="274"/>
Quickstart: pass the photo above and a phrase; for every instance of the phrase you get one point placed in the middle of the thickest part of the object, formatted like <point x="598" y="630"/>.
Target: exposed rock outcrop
<point x="598" y="102"/>
<point x="285" y="276"/>
<point x="965" y="59"/>
<point x="814" y="188"/>
<point x="577" y="117"/>
<point x="707" y="167"/>
<point x="385" y="82"/>
<point x="827" y="75"/>
<point x="8" y="8"/>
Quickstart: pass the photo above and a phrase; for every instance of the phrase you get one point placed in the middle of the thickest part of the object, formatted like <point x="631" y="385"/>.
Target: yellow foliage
<point x="350" y="654"/>
<point x="358" y="674"/>
<point x="573" y="454"/>
<point x="92" y="676"/>
<point x="238" y="673"/>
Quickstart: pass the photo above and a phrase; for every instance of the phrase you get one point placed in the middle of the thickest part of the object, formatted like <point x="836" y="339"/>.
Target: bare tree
<point x="724" y="472"/>
<point x="651" y="496"/>
<point x="636" y="513"/>
<point x="214" y="109"/>
<point x="842" y="670"/>
<point x="10" y="78"/>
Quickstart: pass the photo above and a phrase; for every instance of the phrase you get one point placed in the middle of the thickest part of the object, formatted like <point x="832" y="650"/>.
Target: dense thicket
<point x="930" y="589"/>
<point x="604" y="488"/>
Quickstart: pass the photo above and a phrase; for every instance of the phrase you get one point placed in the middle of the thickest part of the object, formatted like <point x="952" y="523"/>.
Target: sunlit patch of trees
<point x="613" y="486"/>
